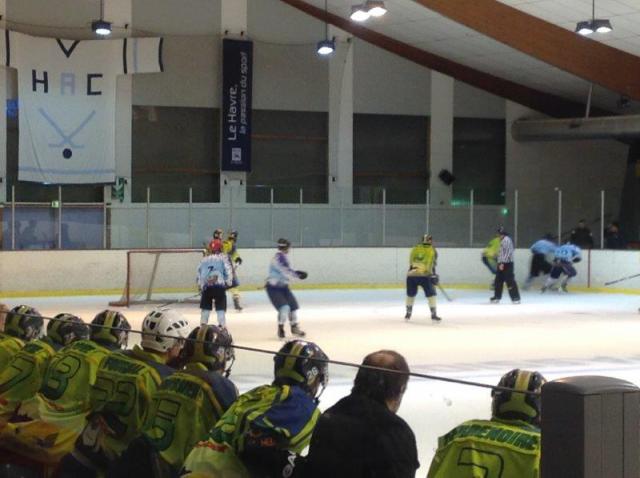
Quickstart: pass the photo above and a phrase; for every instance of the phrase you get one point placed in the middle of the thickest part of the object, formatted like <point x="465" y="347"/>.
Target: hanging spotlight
<point x="326" y="47"/>
<point x="602" y="26"/>
<point x="359" y="13"/>
<point x="584" y="28"/>
<point x="598" y="25"/>
<point x="375" y="8"/>
<point x="100" y="27"/>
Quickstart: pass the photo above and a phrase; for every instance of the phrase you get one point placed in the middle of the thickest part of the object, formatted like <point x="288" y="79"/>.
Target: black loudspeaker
<point x="446" y="177"/>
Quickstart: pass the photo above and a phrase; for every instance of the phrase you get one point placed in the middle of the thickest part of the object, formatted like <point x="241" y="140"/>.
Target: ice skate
<point x="236" y="304"/>
<point x="564" y="288"/>
<point x="494" y="300"/>
<point x="515" y="302"/>
<point x="407" y="316"/>
<point x="296" y="330"/>
<point x="435" y="317"/>
<point x="281" y="331"/>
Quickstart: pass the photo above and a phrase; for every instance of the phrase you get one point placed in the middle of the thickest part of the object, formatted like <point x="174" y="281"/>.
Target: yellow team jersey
<point x="22" y="377"/>
<point x="488" y="449"/>
<point x="122" y="393"/>
<point x="183" y="410"/>
<point x="9" y="346"/>
<point x="229" y="247"/>
<point x="422" y="260"/>
<point x="63" y="403"/>
<point x="283" y="411"/>
<point x="492" y="249"/>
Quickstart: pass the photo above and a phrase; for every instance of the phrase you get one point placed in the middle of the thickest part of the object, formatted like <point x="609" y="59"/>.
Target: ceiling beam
<point x="549" y="104"/>
<point x="591" y="60"/>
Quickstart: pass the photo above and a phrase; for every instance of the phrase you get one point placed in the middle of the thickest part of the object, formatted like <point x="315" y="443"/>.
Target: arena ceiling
<point x="528" y="42"/>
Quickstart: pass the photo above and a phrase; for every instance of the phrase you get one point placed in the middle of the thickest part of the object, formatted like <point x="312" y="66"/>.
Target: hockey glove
<point x="302" y="275"/>
<point x="238" y="261"/>
<point x="577" y="259"/>
<point x="435" y="279"/>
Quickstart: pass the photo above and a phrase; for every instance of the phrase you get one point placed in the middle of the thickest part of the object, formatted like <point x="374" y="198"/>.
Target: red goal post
<point x="160" y="276"/>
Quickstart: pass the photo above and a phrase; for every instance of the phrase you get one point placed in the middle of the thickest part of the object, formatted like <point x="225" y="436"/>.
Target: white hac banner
<point x="67" y="100"/>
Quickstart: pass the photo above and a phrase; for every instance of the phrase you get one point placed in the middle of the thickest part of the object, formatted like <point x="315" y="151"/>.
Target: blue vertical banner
<point x="237" y="82"/>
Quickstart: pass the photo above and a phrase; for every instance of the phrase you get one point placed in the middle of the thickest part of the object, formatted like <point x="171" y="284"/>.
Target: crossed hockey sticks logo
<point x="66" y="139"/>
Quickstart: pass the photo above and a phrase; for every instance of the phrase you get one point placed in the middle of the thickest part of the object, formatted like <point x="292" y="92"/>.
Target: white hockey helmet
<point x="162" y="329"/>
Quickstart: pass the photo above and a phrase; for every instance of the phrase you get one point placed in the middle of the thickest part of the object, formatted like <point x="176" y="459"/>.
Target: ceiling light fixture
<point x="326" y="46"/>
<point x="101" y="27"/>
<point x="375" y="8"/>
<point x="598" y="25"/>
<point x="359" y="13"/>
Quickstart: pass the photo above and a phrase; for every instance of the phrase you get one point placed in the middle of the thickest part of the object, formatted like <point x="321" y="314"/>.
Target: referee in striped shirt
<point x="505" y="270"/>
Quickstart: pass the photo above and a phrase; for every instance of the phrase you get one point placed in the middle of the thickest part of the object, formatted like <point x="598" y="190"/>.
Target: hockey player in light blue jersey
<point x="280" y="273"/>
<point x="540" y="250"/>
<point x="214" y="278"/>
<point x="565" y="256"/>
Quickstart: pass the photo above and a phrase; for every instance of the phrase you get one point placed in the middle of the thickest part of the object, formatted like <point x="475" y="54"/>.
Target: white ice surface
<point x="558" y="334"/>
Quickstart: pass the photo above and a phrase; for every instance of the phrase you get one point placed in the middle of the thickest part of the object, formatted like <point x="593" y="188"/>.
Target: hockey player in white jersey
<point x="214" y="278"/>
<point x="280" y="273"/>
<point x="565" y="256"/>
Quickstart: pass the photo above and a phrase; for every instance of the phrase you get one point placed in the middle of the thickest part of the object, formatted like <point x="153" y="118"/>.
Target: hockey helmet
<point x="162" y="329"/>
<point x="209" y="345"/>
<point x="233" y="235"/>
<point x="302" y="363"/>
<point x="110" y="328"/>
<point x="283" y="244"/>
<point x="427" y="239"/>
<point x="217" y="234"/>
<point x="24" y="322"/>
<point x="66" y="328"/>
<point x="215" y="246"/>
<point x="511" y="405"/>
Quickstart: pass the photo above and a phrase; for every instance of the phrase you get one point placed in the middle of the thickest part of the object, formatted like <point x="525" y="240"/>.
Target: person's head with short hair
<point x="384" y="387"/>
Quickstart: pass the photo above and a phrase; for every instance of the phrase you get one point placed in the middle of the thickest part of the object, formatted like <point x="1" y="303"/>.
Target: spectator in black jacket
<point x="361" y="436"/>
<point x="581" y="236"/>
<point x="612" y="237"/>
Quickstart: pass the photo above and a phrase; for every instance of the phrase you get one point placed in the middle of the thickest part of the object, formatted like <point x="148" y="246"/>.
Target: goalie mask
<point x="302" y="363"/>
<point x="509" y="405"/>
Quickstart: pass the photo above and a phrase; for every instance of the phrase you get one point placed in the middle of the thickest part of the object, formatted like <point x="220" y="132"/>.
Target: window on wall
<point x="174" y="149"/>
<point x="289" y="153"/>
<point x="479" y="160"/>
<point x="390" y="152"/>
<point x="37" y="192"/>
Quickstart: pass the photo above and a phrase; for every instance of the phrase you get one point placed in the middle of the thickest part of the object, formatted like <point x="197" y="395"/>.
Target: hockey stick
<point x="179" y="301"/>
<point x="623" y="279"/>
<point x="445" y="293"/>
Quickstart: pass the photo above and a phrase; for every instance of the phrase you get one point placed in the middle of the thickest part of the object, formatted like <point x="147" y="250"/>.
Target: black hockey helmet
<point x="302" y="363"/>
<point x="66" y="328"/>
<point x="511" y="405"/>
<point x="110" y="328"/>
<point x="284" y="244"/>
<point x="24" y="322"/>
<point x="233" y="235"/>
<point x="209" y="345"/>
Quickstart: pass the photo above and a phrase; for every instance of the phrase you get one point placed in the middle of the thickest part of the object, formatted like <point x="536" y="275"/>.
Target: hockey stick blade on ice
<point x="621" y="280"/>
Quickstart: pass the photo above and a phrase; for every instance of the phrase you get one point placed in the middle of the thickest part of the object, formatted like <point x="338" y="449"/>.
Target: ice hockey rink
<point x="557" y="334"/>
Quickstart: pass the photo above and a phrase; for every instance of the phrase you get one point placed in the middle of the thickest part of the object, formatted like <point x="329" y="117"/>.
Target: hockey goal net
<point x="160" y="276"/>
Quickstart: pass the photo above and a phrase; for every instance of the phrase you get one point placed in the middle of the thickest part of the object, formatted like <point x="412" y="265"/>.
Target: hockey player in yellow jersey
<point x="184" y="408"/>
<point x="21" y="324"/>
<point x="422" y="273"/>
<point x="230" y="247"/>
<point x="508" y="445"/>
<point x="258" y="434"/>
<point x="21" y="379"/>
<point x="120" y="396"/>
